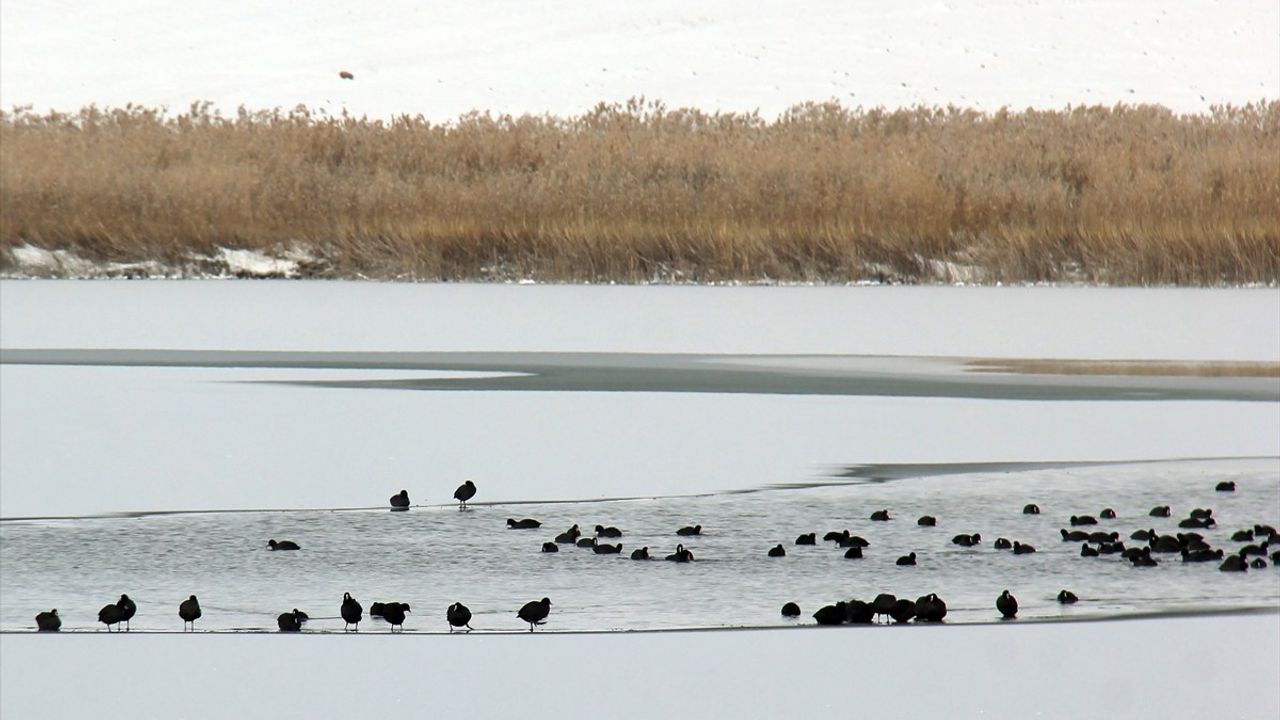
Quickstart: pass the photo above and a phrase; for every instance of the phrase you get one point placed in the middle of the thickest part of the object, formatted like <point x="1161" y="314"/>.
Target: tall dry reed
<point x="1124" y="195"/>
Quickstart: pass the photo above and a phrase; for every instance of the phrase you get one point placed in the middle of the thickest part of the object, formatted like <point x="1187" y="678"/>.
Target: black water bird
<point x="1007" y="604"/>
<point x="640" y="553"/>
<point x="853" y="541"/>
<point x="127" y="609"/>
<point x="1275" y="558"/>
<point x="1103" y="537"/>
<point x="570" y="536"/>
<point x="1242" y="536"/>
<point x="1131" y="553"/>
<point x="459" y="616"/>
<point x="853" y="553"/>
<point x="48" y="621"/>
<point x="927" y="521"/>
<point x="1256" y="549"/>
<point x="351" y="611"/>
<point x="1192" y="522"/>
<point x="535" y="612"/>
<point x="964" y="540"/>
<point x="880" y="515"/>
<point x="1160" y="511"/>
<point x="1031" y="509"/>
<point x="189" y="611"/>
<point x="1111" y="548"/>
<point x="1022" y="548"/>
<point x="110" y="615"/>
<point x="1201" y="513"/>
<point x="835" y="535"/>
<point x="1234" y="563"/>
<point x="1087" y="550"/>
<point x="606" y="549"/>
<point x="690" y="530"/>
<point x="1143" y="535"/>
<point x="550" y="547"/>
<point x="608" y="532"/>
<point x="291" y="621"/>
<point x="930" y="608"/>
<point x="1258" y="563"/>
<point x="1226" y="486"/>
<point x="811" y="539"/>
<point x="1073" y="535"/>
<point x="777" y="551"/>
<point x="1165" y="544"/>
<point x="400" y="501"/>
<point x="791" y="610"/>
<point x="1002" y="544"/>
<point x="394" y="613"/>
<point x="903" y="611"/>
<point x="375" y="609"/>
<point x="524" y="524"/>
<point x="883" y="603"/>
<point x="907" y="559"/>
<point x="1144" y="559"/>
<point x="1204" y="555"/>
<point x="1107" y="514"/>
<point x="1066" y="597"/>
<point x="1083" y="520"/>
<point x="831" y="614"/>
<point x="589" y="542"/>
<point x="283" y="545"/>
<point x="1265" y="530"/>
<point x="465" y="492"/>
<point x="680" y="555"/>
<point x="859" y="612"/>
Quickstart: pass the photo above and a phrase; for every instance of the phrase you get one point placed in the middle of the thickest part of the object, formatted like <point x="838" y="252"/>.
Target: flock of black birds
<point x="1191" y="546"/>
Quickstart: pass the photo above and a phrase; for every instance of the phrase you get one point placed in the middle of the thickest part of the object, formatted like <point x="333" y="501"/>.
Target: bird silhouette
<point x="459" y="616"/>
<point x="352" y="611"/>
<point x="189" y="611"/>
<point x="465" y="492"/>
<point x="535" y="612"/>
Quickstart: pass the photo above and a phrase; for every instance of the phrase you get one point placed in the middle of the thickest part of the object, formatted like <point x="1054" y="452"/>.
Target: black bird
<point x="831" y="614"/>
<point x="127" y="609"/>
<point x="835" y="535"/>
<point x="1226" y="486"/>
<point x="883" y="603"/>
<point x="1242" y="536"/>
<point x="1066" y="597"/>
<point x="791" y="610"/>
<point x="535" y="612"/>
<point x="50" y="622"/>
<point x="525" y="524"/>
<point x="1144" y="559"/>
<point x="1165" y="544"/>
<point x="1104" y="537"/>
<point x="1087" y="551"/>
<point x="608" y="532"/>
<point x="812" y="539"/>
<point x="352" y="611"/>
<point x="853" y="553"/>
<point x="1031" y="509"/>
<point x="570" y="536"/>
<point x="859" y="612"/>
<point x="1255" y="549"/>
<point x="291" y="621"/>
<point x="376" y="609"/>
<point x="907" y="559"/>
<point x="880" y="515"/>
<point x="777" y="551"/>
<point x="465" y="492"/>
<point x="927" y="521"/>
<point x="459" y="616"/>
<point x="1007" y="605"/>
<point x="1202" y="513"/>
<point x="1267" y="530"/>
<point x="110" y="615"/>
<point x="393" y="613"/>
<point x="1107" y="514"/>
<point x="400" y="501"/>
<point x="1193" y="522"/>
<point x="1073" y="535"/>
<point x="641" y="553"/>
<point x="550" y="547"/>
<point x="1002" y="544"/>
<point x="1022" y="548"/>
<point x="903" y="611"/>
<point x="680" y="555"/>
<point x="1258" y="563"/>
<point x="586" y="542"/>
<point x="1083" y="520"/>
<point x="1204" y="555"/>
<point x="606" y="549"/>
<point x="853" y="541"/>
<point x="282" y="545"/>
<point x="189" y="611"/>
<point x="1143" y="535"/>
<point x="1234" y="563"/>
<point x="930" y="608"/>
<point x="1275" y="558"/>
<point x="1160" y="511"/>
<point x="690" y="530"/>
<point x="964" y="540"/>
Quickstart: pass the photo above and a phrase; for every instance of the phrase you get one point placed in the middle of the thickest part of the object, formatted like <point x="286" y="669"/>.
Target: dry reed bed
<point x="633" y="192"/>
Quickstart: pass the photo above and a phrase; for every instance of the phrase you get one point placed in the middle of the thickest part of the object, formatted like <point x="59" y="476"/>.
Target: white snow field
<point x="444" y="59"/>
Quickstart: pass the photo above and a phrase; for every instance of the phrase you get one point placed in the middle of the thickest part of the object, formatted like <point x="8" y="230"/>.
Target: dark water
<point x="433" y="556"/>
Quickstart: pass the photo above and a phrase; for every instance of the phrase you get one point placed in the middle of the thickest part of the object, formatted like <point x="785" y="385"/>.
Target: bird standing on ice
<point x="465" y="492"/>
<point x="189" y="611"/>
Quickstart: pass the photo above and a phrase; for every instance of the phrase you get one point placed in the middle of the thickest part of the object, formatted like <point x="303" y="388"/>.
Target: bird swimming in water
<point x="1031" y="509"/>
<point x="606" y="549"/>
<point x="352" y="612"/>
<point x="964" y="540"/>
<point x="907" y="559"/>
<point x="459" y="616"/>
<point x="525" y="524"/>
<point x="1073" y="535"/>
<point x="853" y="553"/>
<point x="1002" y="544"/>
<point x="1007" y="604"/>
<point x="1234" y="563"/>
<point x="1226" y="486"/>
<point x="550" y="547"/>
<point x="880" y="515"/>
<point x="791" y="610"/>
<point x="48" y="621"/>
<point x="608" y="532"/>
<point x="589" y="542"/>
<point x="835" y="535"/>
<point x="1022" y="548"/>
<point x="189" y="611"/>
<point x="1066" y="597"/>
<point x="394" y="613"/>
<point x="812" y="539"/>
<point x="1083" y="520"/>
<point x="777" y="551"/>
<point x="570" y="536"/>
<point x="640" y="553"/>
<point x="283" y="545"/>
<point x="465" y="492"/>
<point x="1160" y="511"/>
<point x="1107" y="514"/>
<point x="291" y="621"/>
<point x="535" y="612"/>
<point x="400" y="501"/>
<point x="688" y="530"/>
<point x="680" y="555"/>
<point x="852" y="541"/>
<point x="1087" y="551"/>
<point x="927" y="521"/>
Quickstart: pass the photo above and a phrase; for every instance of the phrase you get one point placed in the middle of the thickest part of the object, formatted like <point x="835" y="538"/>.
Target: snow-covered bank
<point x="1219" y="667"/>
<point x="563" y="57"/>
